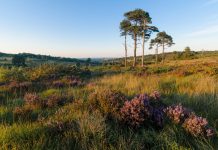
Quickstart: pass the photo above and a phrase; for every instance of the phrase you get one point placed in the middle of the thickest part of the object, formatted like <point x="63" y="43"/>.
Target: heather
<point x="109" y="107"/>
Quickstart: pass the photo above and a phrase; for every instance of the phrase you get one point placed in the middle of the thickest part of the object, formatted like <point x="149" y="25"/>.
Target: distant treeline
<point x="176" y="55"/>
<point x="44" y="58"/>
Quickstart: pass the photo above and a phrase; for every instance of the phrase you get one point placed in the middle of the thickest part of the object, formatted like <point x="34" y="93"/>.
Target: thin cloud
<point x="205" y="31"/>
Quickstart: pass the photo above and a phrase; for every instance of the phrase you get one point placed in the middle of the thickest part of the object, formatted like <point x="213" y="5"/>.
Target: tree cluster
<point x="138" y="25"/>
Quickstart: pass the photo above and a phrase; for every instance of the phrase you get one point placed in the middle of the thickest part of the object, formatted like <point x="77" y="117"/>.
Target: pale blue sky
<point x="90" y="28"/>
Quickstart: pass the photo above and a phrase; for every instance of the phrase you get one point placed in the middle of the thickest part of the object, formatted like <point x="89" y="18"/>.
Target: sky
<point x="90" y="28"/>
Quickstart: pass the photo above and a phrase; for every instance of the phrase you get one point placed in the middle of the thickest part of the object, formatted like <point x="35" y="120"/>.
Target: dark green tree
<point x="135" y="17"/>
<point x="124" y="28"/>
<point x="165" y="41"/>
<point x="88" y="61"/>
<point x="18" y="60"/>
<point x="187" y="51"/>
<point x="78" y="64"/>
<point x="138" y="24"/>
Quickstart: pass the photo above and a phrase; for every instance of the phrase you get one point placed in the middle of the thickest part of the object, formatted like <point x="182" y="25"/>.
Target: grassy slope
<point x="198" y="91"/>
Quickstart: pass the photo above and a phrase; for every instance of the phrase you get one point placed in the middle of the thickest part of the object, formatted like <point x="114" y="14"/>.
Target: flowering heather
<point x="210" y="132"/>
<point x="177" y="113"/>
<point x="155" y="95"/>
<point x="198" y="126"/>
<point x="32" y="100"/>
<point x="136" y="111"/>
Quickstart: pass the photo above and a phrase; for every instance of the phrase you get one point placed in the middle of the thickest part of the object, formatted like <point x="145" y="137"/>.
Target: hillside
<point x="33" y="59"/>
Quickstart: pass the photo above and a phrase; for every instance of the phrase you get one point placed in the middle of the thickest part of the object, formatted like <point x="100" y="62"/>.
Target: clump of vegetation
<point x="136" y="111"/>
<point x="108" y="101"/>
<point x="19" y="60"/>
<point x="54" y="97"/>
<point x="178" y="113"/>
<point x="140" y="110"/>
<point x="33" y="101"/>
<point x="198" y="126"/>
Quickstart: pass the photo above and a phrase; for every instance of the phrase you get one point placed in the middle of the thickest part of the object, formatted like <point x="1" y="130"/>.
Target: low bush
<point x="108" y="101"/>
<point x="136" y="111"/>
<point x="55" y="97"/>
<point x="198" y="126"/>
<point x="177" y="113"/>
<point x="33" y="101"/>
<point x="15" y="74"/>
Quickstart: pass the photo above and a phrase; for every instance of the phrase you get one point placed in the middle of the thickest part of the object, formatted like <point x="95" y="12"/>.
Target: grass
<point x="76" y="125"/>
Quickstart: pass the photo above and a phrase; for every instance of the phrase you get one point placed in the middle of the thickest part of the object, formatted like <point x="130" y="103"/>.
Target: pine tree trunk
<point x="143" y="48"/>
<point x="143" y="43"/>
<point x="163" y="54"/>
<point x="135" y="48"/>
<point x="157" y="55"/>
<point x="125" y="52"/>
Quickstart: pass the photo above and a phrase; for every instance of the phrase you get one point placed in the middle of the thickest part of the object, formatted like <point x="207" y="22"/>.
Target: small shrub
<point x="136" y="111"/>
<point x="55" y="97"/>
<point x="198" y="126"/>
<point x="177" y="113"/>
<point x="108" y="101"/>
<point x="15" y="74"/>
<point x="32" y="100"/>
<point x="155" y="95"/>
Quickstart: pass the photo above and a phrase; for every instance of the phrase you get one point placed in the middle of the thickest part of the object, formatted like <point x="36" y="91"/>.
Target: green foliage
<point x="108" y="101"/>
<point x="13" y="74"/>
<point x="18" y="60"/>
<point x="54" y="71"/>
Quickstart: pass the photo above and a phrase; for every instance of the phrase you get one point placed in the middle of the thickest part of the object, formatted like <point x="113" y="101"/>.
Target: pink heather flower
<point x="210" y="132"/>
<point x="155" y="95"/>
<point x="196" y="125"/>
<point x="177" y="113"/>
<point x="136" y="111"/>
<point x="31" y="98"/>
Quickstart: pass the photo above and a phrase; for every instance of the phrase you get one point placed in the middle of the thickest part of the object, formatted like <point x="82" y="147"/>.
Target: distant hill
<point x="35" y="59"/>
